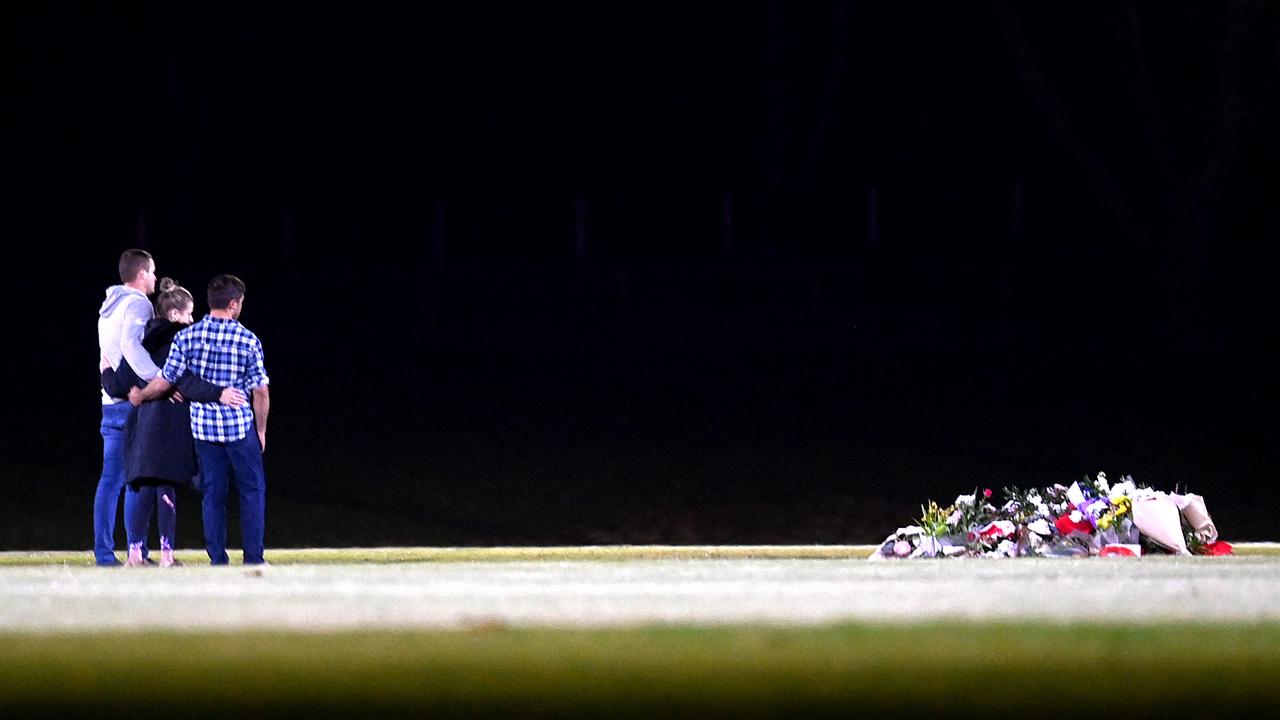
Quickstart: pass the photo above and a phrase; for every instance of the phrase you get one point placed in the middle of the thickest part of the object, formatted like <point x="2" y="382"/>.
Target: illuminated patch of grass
<point x="387" y="555"/>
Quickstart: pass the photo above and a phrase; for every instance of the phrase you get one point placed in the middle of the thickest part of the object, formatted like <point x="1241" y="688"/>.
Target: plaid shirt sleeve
<point x="256" y="373"/>
<point x="176" y="365"/>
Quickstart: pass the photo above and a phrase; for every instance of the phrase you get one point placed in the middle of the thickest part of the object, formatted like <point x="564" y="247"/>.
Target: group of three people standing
<point x="176" y="411"/>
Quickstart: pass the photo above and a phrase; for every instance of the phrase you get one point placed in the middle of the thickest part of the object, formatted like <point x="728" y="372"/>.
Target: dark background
<point x="660" y="273"/>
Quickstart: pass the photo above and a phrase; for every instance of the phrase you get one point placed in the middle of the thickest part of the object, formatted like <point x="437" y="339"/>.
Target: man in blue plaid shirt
<point x="229" y="440"/>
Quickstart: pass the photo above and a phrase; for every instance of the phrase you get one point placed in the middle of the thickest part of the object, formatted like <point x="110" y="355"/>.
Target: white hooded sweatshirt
<point x="122" y="319"/>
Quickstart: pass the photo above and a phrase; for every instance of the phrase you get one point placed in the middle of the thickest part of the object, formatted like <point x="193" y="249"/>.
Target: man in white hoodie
<point x="121" y="322"/>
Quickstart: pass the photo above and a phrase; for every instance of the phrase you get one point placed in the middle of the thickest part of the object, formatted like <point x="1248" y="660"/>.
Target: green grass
<point x="385" y="555"/>
<point x="1015" y="670"/>
<point x="487" y="669"/>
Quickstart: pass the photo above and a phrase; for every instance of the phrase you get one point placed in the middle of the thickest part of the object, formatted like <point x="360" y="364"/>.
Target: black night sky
<point x="544" y="273"/>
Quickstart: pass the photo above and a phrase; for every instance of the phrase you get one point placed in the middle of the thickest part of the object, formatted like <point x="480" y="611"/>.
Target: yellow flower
<point x="1122" y="505"/>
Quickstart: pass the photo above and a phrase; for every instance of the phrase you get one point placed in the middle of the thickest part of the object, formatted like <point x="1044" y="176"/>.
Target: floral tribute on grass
<point x="1092" y="517"/>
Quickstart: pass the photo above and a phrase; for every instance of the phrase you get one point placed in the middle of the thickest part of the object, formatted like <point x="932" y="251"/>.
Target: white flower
<point x="1122" y="488"/>
<point x="1076" y="516"/>
<point x="964" y="500"/>
<point x="953" y="518"/>
<point x="1143" y="493"/>
<point x="1039" y="527"/>
<point x="1034" y="498"/>
<point x="1102" y="483"/>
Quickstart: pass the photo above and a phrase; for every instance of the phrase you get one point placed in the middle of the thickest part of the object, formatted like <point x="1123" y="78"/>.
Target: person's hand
<point x="233" y="397"/>
<point x="135" y="396"/>
<point x="262" y="439"/>
<point x="105" y="364"/>
<point x="176" y="397"/>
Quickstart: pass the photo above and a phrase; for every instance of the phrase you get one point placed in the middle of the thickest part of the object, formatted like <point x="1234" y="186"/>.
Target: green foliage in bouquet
<point x="976" y="513"/>
<point x="1023" y="505"/>
<point x="933" y="520"/>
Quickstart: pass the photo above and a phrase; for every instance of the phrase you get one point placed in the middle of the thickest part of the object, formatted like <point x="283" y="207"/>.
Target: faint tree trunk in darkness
<point x="288" y="256"/>
<point x="1153" y="129"/>
<point x="841" y="14"/>
<point x="1110" y="192"/>
<point x="431" y="293"/>
<point x="624" y="292"/>
<point x="437" y="228"/>
<point x="816" y="290"/>
<point x="1225" y="152"/>
<point x="873" y="218"/>
<point x="1230" y="109"/>
<point x="580" y="226"/>
<point x="287" y="237"/>
<point x="140" y="231"/>
<point x="1017" y="236"/>
<point x="184" y="148"/>
<point x="1190" y="202"/>
<point x="1173" y="201"/>
<point x="726" y="224"/>
<point x="1006" y="333"/>
<point x="775" y="119"/>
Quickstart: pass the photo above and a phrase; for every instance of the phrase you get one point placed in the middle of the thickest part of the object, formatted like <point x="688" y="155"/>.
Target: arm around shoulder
<point x="154" y="389"/>
<point x="198" y="389"/>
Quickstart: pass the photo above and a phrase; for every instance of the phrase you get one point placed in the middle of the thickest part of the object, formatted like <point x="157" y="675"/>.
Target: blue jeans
<point x="106" y="500"/>
<point x="146" y="500"/>
<point x="220" y="464"/>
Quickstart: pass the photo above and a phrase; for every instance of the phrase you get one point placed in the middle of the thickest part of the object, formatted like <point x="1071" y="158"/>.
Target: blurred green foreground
<point x="488" y="670"/>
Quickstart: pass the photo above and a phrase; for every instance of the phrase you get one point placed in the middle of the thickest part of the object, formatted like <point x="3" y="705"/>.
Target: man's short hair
<point x="132" y="262"/>
<point x="223" y="289"/>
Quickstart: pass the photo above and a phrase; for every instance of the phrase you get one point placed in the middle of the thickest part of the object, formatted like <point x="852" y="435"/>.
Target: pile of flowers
<point x="1090" y="517"/>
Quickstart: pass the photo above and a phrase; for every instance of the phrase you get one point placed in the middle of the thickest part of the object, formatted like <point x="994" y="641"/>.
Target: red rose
<point x="1222" y="547"/>
<point x="1066" y="525"/>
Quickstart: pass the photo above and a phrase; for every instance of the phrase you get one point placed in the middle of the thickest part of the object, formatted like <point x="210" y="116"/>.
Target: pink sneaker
<point x="166" y="548"/>
<point x="135" y="556"/>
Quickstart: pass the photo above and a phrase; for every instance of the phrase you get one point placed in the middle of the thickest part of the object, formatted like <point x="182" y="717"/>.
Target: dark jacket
<point x="158" y="446"/>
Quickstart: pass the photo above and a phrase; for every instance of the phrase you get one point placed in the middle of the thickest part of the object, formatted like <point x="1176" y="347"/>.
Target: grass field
<point x="1138" y="667"/>
<point x="382" y="555"/>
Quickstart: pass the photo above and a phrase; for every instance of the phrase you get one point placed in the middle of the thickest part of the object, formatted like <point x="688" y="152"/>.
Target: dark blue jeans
<point x="221" y="464"/>
<point x="106" y="500"/>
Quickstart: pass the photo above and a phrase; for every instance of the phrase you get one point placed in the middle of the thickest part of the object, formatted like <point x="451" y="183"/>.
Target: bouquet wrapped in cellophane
<point x="1091" y="517"/>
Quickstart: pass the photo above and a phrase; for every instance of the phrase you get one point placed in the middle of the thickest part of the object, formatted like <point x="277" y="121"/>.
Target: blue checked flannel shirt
<point x="222" y="352"/>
